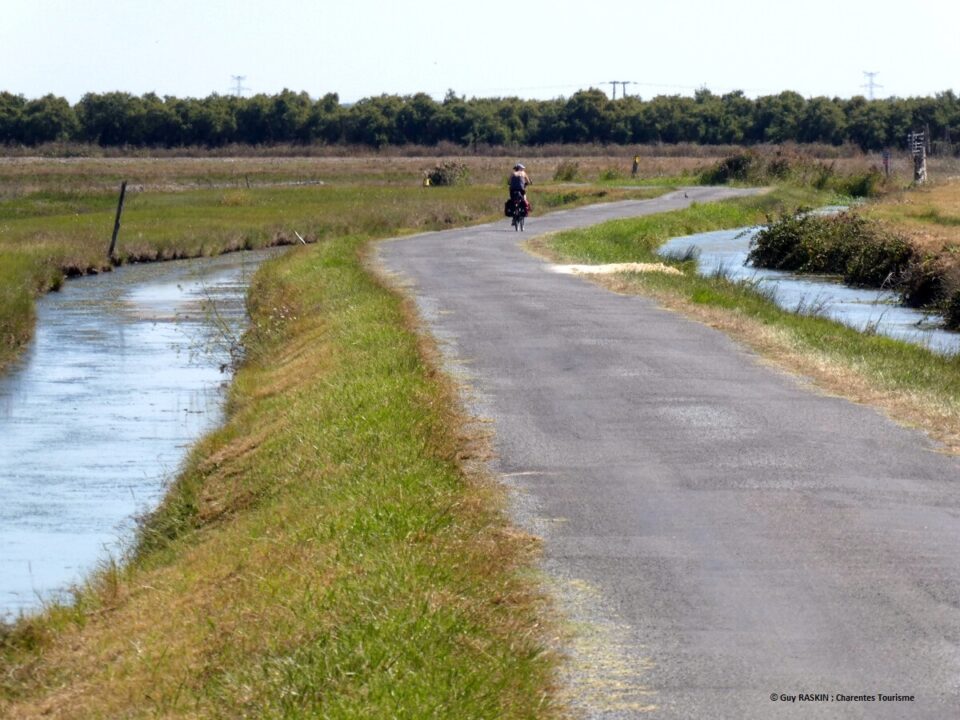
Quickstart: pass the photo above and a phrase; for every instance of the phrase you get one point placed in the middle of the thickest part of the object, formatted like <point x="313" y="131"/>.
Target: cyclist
<point x="518" y="183"/>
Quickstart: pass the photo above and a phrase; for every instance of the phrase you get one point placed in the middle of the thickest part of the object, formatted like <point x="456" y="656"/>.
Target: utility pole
<point x="916" y="141"/>
<point x="871" y="84"/>
<point x="238" y="87"/>
<point x="614" y="84"/>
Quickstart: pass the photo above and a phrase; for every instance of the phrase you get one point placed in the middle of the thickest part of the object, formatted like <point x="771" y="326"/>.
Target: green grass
<point x="55" y="233"/>
<point x="325" y="553"/>
<point x="630" y="240"/>
<point x="889" y="364"/>
<point x="45" y="236"/>
<point x="322" y="555"/>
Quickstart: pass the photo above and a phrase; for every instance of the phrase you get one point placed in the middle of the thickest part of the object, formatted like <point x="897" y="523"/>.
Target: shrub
<point x="449" y="173"/>
<point x="786" y="166"/>
<point x="865" y="184"/>
<point x="781" y="245"/>
<point x="822" y="175"/>
<point x="861" y="250"/>
<point x="780" y="168"/>
<point x="952" y="311"/>
<point x="567" y="171"/>
<point x="923" y="283"/>
<point x="610" y="173"/>
<point x="735" y="168"/>
<point x="878" y="261"/>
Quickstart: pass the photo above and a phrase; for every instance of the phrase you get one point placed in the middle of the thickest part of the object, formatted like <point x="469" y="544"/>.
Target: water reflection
<point x="126" y="371"/>
<point x="860" y="308"/>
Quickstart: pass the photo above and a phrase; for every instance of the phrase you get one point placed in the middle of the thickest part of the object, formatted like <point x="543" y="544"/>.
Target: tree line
<point x="120" y="119"/>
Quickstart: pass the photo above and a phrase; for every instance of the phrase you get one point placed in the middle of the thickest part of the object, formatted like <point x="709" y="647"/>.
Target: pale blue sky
<point x="535" y="48"/>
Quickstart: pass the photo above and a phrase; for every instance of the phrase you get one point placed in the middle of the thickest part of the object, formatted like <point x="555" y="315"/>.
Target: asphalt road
<point x="724" y="536"/>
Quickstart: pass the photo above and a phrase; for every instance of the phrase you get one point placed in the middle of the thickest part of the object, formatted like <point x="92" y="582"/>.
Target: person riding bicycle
<point x="518" y="183"/>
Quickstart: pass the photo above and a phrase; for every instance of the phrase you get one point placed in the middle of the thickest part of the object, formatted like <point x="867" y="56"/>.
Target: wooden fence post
<point x="116" y="222"/>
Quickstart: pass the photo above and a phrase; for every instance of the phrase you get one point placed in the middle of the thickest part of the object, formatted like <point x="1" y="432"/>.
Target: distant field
<point x="56" y="214"/>
<point x="24" y="175"/>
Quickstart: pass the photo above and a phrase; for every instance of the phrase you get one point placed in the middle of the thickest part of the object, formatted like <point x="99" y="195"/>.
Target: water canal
<point x="126" y="371"/>
<point x="861" y="308"/>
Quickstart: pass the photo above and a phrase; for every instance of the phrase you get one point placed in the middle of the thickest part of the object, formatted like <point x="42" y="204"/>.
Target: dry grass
<point x="23" y="176"/>
<point x="929" y="215"/>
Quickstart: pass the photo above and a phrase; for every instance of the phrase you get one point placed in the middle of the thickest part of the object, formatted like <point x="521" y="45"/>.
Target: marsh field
<point x="336" y="547"/>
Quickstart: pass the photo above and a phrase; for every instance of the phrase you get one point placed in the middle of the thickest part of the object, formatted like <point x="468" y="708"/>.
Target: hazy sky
<point x="531" y="49"/>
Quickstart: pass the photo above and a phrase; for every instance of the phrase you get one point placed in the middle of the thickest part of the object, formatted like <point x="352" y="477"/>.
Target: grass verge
<point x="912" y="385"/>
<point x="323" y="554"/>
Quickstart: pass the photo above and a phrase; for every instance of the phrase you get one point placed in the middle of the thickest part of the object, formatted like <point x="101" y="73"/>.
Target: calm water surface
<point x="860" y="308"/>
<point x="126" y="371"/>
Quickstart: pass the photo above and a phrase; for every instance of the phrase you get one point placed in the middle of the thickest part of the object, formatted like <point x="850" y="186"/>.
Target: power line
<point x="871" y="84"/>
<point x="238" y="86"/>
<point x="622" y="83"/>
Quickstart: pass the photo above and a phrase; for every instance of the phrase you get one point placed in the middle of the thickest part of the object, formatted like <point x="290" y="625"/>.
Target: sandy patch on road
<point x="614" y="268"/>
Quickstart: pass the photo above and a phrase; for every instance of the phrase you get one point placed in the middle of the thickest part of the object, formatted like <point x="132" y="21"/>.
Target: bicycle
<point x="519" y="211"/>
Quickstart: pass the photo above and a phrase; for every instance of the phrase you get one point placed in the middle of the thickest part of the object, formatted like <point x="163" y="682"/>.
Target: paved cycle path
<point x="725" y="534"/>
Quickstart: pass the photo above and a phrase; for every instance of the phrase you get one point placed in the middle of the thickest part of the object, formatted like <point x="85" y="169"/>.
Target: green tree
<point x="106" y="119"/>
<point x="11" y="113"/>
<point x="587" y="117"/>
<point x="47" y="119"/>
<point x="415" y="120"/>
<point x="326" y="119"/>
<point x="373" y="121"/>
<point x="253" y="120"/>
<point x="548" y="124"/>
<point x="452" y="120"/>
<point x="666" y="116"/>
<point x="867" y="123"/>
<point x="777" y="118"/>
<point x="289" y="117"/>
<point x="209" y="121"/>
<point x="822" y="121"/>
<point x="160" y="125"/>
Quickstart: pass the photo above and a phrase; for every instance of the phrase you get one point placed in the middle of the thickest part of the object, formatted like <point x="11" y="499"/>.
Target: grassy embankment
<point x="322" y="554"/>
<point x="911" y="384"/>
<point x="327" y="552"/>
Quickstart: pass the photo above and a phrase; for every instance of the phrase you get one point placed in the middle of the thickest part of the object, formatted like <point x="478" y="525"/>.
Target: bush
<point x="782" y="244"/>
<point x="567" y="171"/>
<point x="952" y="311"/>
<point x="610" y="174"/>
<point x="862" y="251"/>
<point x="865" y="184"/>
<point x="735" y="168"/>
<point x="449" y="173"/>
<point x="923" y="283"/>
<point x="786" y="166"/>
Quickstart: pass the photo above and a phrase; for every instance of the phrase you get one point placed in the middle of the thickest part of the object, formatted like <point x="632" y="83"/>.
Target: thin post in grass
<point x="116" y="222"/>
